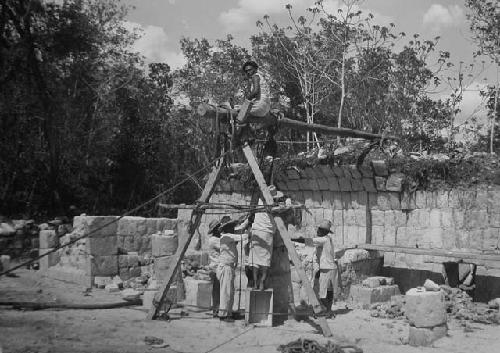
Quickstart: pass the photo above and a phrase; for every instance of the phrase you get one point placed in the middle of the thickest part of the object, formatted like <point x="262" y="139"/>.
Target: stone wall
<point x="114" y="248"/>
<point x="367" y="205"/>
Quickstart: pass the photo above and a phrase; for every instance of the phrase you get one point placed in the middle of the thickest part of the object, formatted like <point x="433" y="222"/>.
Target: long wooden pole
<point x="210" y="111"/>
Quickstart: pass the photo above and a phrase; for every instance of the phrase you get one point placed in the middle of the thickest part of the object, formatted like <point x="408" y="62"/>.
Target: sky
<point x="165" y="22"/>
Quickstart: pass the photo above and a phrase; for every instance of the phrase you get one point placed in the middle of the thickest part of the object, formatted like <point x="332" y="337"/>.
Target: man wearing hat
<point x="213" y="256"/>
<point x="261" y="242"/>
<point x="324" y="260"/>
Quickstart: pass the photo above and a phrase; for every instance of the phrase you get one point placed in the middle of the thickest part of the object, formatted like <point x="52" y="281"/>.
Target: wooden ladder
<point x="186" y="232"/>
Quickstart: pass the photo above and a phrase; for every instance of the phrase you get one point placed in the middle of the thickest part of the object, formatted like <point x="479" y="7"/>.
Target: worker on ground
<point x="261" y="242"/>
<point x="213" y="256"/>
<point x="326" y="264"/>
<point x="228" y="260"/>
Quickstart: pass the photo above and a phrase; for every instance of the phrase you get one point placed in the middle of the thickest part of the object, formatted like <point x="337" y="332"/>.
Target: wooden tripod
<point x="186" y="232"/>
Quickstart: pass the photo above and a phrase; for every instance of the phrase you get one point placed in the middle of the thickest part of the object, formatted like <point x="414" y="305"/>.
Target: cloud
<point x="172" y="2"/>
<point x="438" y="16"/>
<point x="154" y="45"/>
<point x="244" y="16"/>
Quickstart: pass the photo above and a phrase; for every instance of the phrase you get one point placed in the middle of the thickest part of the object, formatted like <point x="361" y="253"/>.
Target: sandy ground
<point x="124" y="329"/>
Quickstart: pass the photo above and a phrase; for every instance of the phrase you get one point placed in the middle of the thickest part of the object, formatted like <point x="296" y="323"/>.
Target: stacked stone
<point x="373" y="290"/>
<point x="426" y="313"/>
<point x="48" y="240"/>
<point x="129" y="266"/>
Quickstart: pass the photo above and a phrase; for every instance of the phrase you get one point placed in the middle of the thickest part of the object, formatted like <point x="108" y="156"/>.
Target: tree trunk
<point x="493" y="119"/>
<point x="342" y="95"/>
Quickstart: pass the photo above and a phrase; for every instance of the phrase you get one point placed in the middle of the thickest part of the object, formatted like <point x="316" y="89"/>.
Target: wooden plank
<point x="434" y="252"/>
<point x="280" y="226"/>
<point x="186" y="233"/>
<point x="210" y="111"/>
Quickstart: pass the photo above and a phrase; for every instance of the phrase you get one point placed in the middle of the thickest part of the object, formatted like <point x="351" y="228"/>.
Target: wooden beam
<point x="210" y="111"/>
<point x="243" y="208"/>
<point x="433" y="252"/>
<point x="186" y="232"/>
<point x="280" y="226"/>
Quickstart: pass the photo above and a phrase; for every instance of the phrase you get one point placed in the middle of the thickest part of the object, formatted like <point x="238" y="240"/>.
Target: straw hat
<point x="325" y="225"/>
<point x="275" y="193"/>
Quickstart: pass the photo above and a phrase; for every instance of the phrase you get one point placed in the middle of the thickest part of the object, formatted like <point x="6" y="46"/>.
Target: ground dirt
<point x="124" y="329"/>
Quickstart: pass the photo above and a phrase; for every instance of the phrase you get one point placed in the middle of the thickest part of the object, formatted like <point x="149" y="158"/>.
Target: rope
<point x="128" y="213"/>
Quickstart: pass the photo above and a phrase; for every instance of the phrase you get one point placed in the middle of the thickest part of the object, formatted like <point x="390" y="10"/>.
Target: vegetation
<point x="83" y="123"/>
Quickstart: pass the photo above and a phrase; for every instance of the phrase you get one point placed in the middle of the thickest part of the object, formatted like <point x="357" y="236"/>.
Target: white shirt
<point x="213" y="252"/>
<point x="262" y="221"/>
<point x="323" y="253"/>
<point x="228" y="250"/>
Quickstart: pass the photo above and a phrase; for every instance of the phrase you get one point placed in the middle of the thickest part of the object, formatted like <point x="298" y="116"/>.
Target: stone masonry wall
<point x="107" y="252"/>
<point x="367" y="206"/>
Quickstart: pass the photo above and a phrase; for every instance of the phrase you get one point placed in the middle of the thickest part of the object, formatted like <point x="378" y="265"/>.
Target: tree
<point x="484" y="18"/>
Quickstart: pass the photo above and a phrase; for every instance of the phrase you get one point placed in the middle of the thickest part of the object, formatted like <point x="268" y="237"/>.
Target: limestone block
<point x="366" y="171"/>
<point x="400" y="218"/>
<point x="380" y="183"/>
<point x="161" y="265"/>
<point x="431" y="199"/>
<point x="389" y="235"/>
<point x="435" y="218"/>
<point x="337" y="201"/>
<point x="383" y="201"/>
<point x="362" y="235"/>
<point x="380" y="168"/>
<point x="454" y="199"/>
<point x="408" y="201"/>
<point x="389" y="218"/>
<point x="357" y="185"/>
<point x="292" y="174"/>
<point x="351" y="235"/>
<point x="4" y="263"/>
<point x="366" y="296"/>
<point x="346" y="170"/>
<point x="494" y="218"/>
<point x="378" y="235"/>
<point x="326" y="170"/>
<point x="442" y="199"/>
<point x="389" y="258"/>
<point x="394" y="200"/>
<point x="346" y="200"/>
<point x="338" y="217"/>
<point x="421" y="199"/>
<point x="163" y="244"/>
<point x="359" y="199"/>
<point x="97" y="225"/>
<point x="338" y="171"/>
<point x="48" y="239"/>
<point x="424" y="337"/>
<point x="395" y="182"/>
<point x="491" y="239"/>
<point x="131" y="226"/>
<point x="401" y="236"/>
<point x="349" y="217"/>
<point x="462" y="237"/>
<point x="313" y="185"/>
<point x="424" y="308"/>
<point x="333" y="183"/>
<point x="360" y="217"/>
<point x="317" y="198"/>
<point x="355" y="173"/>
<point x="345" y="184"/>
<point x="292" y="185"/>
<point x="49" y="260"/>
<point x="102" y="246"/>
<point x="198" y="293"/>
<point x="369" y="185"/>
<point x="476" y="219"/>
<point x="104" y="265"/>
<point x="323" y="184"/>
<point x="304" y="184"/>
<point x="433" y="238"/>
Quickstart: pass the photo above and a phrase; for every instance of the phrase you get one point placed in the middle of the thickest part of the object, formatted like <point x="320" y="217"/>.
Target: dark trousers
<point x="215" y="292"/>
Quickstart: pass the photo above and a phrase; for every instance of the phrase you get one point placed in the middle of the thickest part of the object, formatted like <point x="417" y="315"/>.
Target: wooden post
<point x="280" y="226"/>
<point x="186" y="232"/>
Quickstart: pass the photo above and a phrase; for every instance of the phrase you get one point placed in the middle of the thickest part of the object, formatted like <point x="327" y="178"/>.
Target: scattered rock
<point x="130" y="294"/>
<point x="430" y="285"/>
<point x="112" y="288"/>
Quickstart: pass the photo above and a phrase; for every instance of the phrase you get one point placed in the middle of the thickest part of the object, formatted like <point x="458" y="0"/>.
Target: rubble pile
<point x="390" y="310"/>
<point x="460" y="306"/>
<point x="311" y="346"/>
